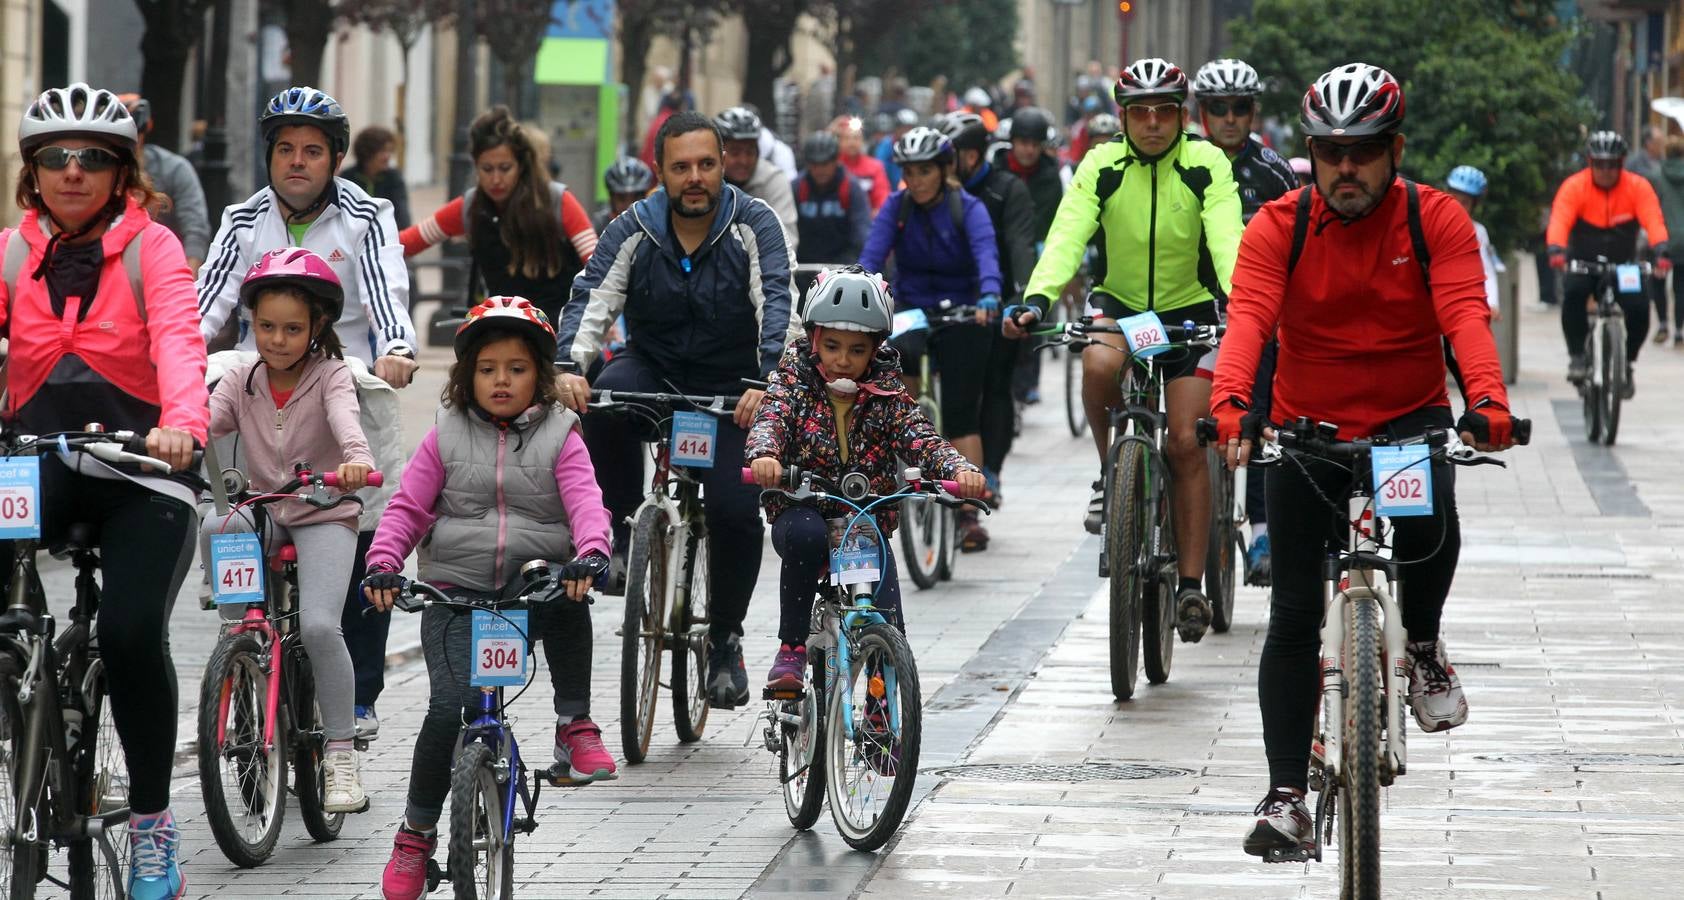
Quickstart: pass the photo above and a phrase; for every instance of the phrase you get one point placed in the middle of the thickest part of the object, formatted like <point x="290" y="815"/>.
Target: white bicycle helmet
<point x="1150" y="77"/>
<point x="1227" y="78"/>
<point x="848" y="298"/>
<point x="1354" y="100"/>
<point x="978" y="97"/>
<point x="739" y="123"/>
<point x="77" y="110"/>
<point x="923" y="144"/>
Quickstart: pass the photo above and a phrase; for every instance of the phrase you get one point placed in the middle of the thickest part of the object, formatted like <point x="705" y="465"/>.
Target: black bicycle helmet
<point x="820" y="147"/>
<point x="1150" y="77"/>
<point x="739" y="123"/>
<point x="1354" y="100"/>
<point x="628" y="175"/>
<point x="1605" y="145"/>
<point x="306" y="106"/>
<point x="923" y="145"/>
<point x="1030" y="124"/>
<point x="966" y="130"/>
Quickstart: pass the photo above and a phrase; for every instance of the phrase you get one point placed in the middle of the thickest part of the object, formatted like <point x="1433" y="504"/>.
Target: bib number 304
<point x="499" y="648"/>
<point x="1403" y="481"/>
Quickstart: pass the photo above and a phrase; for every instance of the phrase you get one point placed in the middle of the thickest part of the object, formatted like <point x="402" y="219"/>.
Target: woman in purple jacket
<point x="944" y="248"/>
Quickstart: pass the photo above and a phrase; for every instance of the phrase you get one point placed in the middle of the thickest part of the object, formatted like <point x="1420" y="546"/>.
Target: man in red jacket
<point x="850" y="132"/>
<point x="1361" y="334"/>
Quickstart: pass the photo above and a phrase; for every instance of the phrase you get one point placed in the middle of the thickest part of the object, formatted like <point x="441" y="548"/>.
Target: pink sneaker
<point x="406" y="871"/>
<point x="579" y="745"/>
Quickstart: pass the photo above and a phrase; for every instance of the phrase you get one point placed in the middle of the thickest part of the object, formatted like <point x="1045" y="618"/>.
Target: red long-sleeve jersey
<point x="1360" y="332"/>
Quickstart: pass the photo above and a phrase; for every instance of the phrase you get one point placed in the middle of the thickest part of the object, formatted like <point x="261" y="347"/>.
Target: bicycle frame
<point x="676" y="494"/>
<point x="1136" y="423"/>
<point x="492" y="729"/>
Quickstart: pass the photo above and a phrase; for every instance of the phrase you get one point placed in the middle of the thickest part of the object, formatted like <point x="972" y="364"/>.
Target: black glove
<point x="590" y="565"/>
<point x="384" y="579"/>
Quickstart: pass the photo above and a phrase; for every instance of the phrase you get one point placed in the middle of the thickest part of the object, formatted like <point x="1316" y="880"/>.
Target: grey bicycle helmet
<point x="906" y="117"/>
<point x="1103" y="126"/>
<point x="739" y="123"/>
<point x="1605" y="145"/>
<point x="1227" y="78"/>
<point x="306" y="106"/>
<point x="1150" y="77"/>
<point x="820" y="147"/>
<point x="628" y="175"/>
<point x="978" y="97"/>
<point x="848" y="298"/>
<point x="923" y="145"/>
<point x="966" y="130"/>
<point x="1354" y="100"/>
<point x="77" y="110"/>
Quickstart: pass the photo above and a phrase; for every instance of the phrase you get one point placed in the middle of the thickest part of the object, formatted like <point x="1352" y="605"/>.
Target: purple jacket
<point x="933" y="261"/>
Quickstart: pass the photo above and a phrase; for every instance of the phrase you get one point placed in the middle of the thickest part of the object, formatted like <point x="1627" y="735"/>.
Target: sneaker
<point x="1096" y="509"/>
<point x="1661" y="335"/>
<point x="727" y="676"/>
<point x="342" y="787"/>
<point x="1435" y="692"/>
<point x="1577" y="368"/>
<point x="406" y="871"/>
<point x="1257" y="561"/>
<point x="1283" y="824"/>
<point x="1032" y="396"/>
<point x="579" y="745"/>
<point x="368" y="723"/>
<point x="1192" y="615"/>
<point x="1628" y="388"/>
<point x="789" y="668"/>
<point x="973" y="537"/>
<point x="1678" y="338"/>
<point x="154" y="873"/>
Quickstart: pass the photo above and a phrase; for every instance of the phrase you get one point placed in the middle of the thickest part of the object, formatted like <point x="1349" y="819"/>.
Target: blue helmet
<point x="1466" y="179"/>
<point x="306" y="106"/>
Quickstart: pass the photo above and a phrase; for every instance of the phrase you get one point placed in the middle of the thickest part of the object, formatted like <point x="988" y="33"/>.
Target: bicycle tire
<point x="22" y="866"/>
<point x="309" y="754"/>
<point x="236" y="666"/>
<point x="690" y="651"/>
<point x="1590" y="391"/>
<point x="1075" y="414"/>
<point x="881" y="755"/>
<point x="1125" y="545"/>
<point x="921" y="542"/>
<point x="645" y="617"/>
<point x="476" y="823"/>
<point x="801" y="763"/>
<point x="1221" y="561"/>
<point x="102" y="790"/>
<point x="1614" y="377"/>
<point x="1359" y="857"/>
<point x="948" y="526"/>
<point x="1157" y="604"/>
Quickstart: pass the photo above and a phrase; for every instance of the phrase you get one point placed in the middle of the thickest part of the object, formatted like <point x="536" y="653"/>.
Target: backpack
<point x="570" y="254"/>
<point x="955" y="208"/>
<point x="844" y="193"/>
<point x="16" y="253"/>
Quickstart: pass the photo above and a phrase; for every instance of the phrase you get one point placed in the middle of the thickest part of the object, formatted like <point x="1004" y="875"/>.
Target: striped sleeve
<point x="599" y="293"/>
<point x="444" y="223"/>
<point x="382" y="278"/>
<point x="218" y="284"/>
<point x="576" y="224"/>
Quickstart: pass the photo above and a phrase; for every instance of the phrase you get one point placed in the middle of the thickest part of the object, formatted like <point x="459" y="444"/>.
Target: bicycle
<point x="63" y="776"/>
<point x="1361" y="746"/>
<point x="1225" y="553"/>
<point x="867" y="753"/>
<point x="1138" y="551"/>
<point x="488" y="776"/>
<point x="257" y="703"/>
<point x="669" y="535"/>
<point x="1607" y="369"/>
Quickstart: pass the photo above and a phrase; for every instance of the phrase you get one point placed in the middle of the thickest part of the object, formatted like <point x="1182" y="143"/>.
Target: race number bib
<point x="1629" y="278"/>
<point x="1145" y="334"/>
<point x="910" y="320"/>
<point x="20" y="497"/>
<point x="499" y="647"/>
<point x="693" y="437"/>
<point x="236" y="569"/>
<point x="1403" y="481"/>
<point x="856" y="556"/>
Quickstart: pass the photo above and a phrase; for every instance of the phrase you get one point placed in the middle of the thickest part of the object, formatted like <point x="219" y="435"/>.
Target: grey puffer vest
<point x="500" y="505"/>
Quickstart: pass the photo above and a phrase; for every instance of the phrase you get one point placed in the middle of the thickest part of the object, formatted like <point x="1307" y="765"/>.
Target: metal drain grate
<point x="1578" y="760"/>
<point x="1071" y="773"/>
<point x="1580" y="575"/>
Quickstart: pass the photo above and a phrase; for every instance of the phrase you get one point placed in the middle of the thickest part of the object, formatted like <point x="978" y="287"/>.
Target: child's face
<point x="281" y="327"/>
<point x="845" y="354"/>
<point x="505" y="377"/>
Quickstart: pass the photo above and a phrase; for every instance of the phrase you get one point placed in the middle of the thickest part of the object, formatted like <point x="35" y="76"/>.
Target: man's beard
<point x="1351" y="207"/>
<point x="689" y="213"/>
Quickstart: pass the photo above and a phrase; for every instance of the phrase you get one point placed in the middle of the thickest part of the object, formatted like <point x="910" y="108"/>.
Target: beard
<point x="690" y="212"/>
<point x="1352" y="207"/>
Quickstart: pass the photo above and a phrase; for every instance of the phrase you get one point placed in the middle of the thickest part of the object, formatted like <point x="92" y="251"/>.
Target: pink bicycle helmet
<point x="299" y="268"/>
<point x="515" y="315"/>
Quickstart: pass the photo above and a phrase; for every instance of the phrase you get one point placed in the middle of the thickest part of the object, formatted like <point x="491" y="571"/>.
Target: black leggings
<point x="801" y="537"/>
<point x="1658" y="295"/>
<point x="999" y="408"/>
<point x="141" y="569"/>
<point x="1262" y="398"/>
<point x="961" y="354"/>
<point x="1575" y="322"/>
<point x="1302" y="529"/>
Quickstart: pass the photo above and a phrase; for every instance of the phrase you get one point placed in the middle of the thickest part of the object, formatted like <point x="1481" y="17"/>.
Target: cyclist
<point x="82" y="350"/>
<point x="754" y="176"/>
<point x="182" y="209"/>
<point x="1031" y="158"/>
<point x="837" y="405"/>
<point x="702" y="313"/>
<point x="981" y="103"/>
<point x="833" y="209"/>
<point x="1669" y="187"/>
<point x="1360" y="345"/>
<point x="298" y="401"/>
<point x="529" y="235"/>
<point x="628" y="180"/>
<point x="1171" y="216"/>
<point x="944" y="248"/>
<point x="903" y="120"/>
<point x="1597" y="212"/>
<point x="487" y="505"/>
<point x="850" y="132"/>
<point x="1466" y="185"/>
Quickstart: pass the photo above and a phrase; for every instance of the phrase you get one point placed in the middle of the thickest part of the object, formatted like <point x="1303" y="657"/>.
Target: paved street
<point x="1566" y="781"/>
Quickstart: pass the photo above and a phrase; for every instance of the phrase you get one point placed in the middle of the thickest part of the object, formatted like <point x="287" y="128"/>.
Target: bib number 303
<point x="20" y="496"/>
<point x="499" y="648"/>
<point x="1403" y="481"/>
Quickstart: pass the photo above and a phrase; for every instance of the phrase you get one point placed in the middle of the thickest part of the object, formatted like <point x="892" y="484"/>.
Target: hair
<point x="325" y="338"/>
<point x="541" y="148"/>
<point x="682" y="123"/>
<point x="458" y="390"/>
<point x="131" y="182"/>
<point x="370" y="141"/>
<point x="1675" y="147"/>
<point x="528" y="224"/>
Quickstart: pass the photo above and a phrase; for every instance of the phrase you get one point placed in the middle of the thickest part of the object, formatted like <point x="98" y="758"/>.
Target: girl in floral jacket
<point x="836" y="405"/>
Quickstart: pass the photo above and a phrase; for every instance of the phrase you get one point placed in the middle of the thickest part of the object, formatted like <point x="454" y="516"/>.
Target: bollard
<point x="1507" y="327"/>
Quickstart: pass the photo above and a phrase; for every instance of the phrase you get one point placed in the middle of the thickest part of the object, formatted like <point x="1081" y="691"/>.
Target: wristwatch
<point x="404" y="351"/>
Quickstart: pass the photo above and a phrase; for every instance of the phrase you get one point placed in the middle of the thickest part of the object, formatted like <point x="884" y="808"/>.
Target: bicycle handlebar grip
<point x="1522" y="431"/>
<point x="1205" y="431"/>
<point x="748" y="476"/>
<point x="952" y="487"/>
<point x="331" y="479"/>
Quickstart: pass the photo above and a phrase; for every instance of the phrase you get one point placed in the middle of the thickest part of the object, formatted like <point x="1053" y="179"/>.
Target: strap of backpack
<point x="467" y="214"/>
<point x="843" y="191"/>
<point x="131" y="264"/>
<point x="1417" y="234"/>
<point x="1300" y="228"/>
<point x="16" y="254"/>
<point x="802" y="191"/>
<point x="956" y="209"/>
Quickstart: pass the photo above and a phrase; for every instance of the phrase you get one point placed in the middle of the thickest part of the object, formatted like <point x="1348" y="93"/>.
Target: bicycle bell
<point x="234" y="481"/>
<point x="855" y="486"/>
<point x="535" y="572"/>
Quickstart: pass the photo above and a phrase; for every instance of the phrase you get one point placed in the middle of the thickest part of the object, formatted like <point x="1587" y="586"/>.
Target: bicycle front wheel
<point x="1593" y="387"/>
<point x="1126" y="548"/>
<point x="690" y="646"/>
<point x="22" y="865"/>
<point x="640" y="657"/>
<point x="1614" y="376"/>
<point x="241" y="775"/>
<point x="1075" y="414"/>
<point x="872" y="737"/>
<point x="1221" y="558"/>
<point x="921" y="535"/>
<point x="99" y="866"/>
<point x="801" y="753"/>
<point x="1359" y="796"/>
<point x="309" y="750"/>
<point x="1157" y="608"/>
<point x="482" y="859"/>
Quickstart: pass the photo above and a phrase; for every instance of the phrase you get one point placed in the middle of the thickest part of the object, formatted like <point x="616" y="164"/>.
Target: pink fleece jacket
<point x="409" y="515"/>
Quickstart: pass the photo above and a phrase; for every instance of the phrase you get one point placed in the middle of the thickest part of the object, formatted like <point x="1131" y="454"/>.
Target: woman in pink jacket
<point x="104" y="327"/>
<point x="297" y="404"/>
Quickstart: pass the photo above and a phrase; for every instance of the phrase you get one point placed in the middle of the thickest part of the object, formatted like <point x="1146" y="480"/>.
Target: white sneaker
<point x="343" y="791"/>
<point x="1283" y="827"/>
<point x="1095" y="516"/>
<point x="1435" y="692"/>
<point x="368" y="723"/>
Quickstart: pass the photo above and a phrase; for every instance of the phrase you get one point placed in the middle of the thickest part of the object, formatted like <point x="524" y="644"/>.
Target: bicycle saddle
<point x="80" y="537"/>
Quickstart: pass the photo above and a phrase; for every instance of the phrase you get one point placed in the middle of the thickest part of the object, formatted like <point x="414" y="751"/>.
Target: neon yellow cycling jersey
<point x="1171" y="226"/>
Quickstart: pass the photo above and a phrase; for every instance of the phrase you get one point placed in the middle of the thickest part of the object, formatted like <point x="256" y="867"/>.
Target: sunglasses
<point x="1606" y="163"/>
<point x="1140" y="112"/>
<point x="1220" y="108"/>
<point x="1362" y="153"/>
<point x="91" y="159"/>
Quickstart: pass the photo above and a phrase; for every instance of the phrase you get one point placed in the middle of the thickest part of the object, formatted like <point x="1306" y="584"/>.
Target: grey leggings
<point x="326" y="554"/>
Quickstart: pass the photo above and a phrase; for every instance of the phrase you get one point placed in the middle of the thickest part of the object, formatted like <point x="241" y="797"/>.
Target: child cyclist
<point x="836" y="405"/>
<point x="502" y="479"/>
<point x="297" y="403"/>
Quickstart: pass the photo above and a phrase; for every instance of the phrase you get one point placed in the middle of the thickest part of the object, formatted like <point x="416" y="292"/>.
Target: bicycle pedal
<point x="557" y="775"/>
<point x="436" y="875"/>
<point x="783" y="694"/>
<point x="361" y="744"/>
<point x="1298" y="854"/>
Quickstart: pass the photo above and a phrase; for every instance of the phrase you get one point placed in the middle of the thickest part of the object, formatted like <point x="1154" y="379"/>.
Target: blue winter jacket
<point x="703" y="321"/>
<point x="933" y="261"/>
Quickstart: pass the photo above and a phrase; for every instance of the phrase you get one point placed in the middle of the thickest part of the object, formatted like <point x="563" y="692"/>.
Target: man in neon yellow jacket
<point x="1169" y="212"/>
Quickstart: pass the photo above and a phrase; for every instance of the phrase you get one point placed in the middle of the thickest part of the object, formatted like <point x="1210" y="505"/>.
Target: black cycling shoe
<point x="1192" y="615"/>
<point x="727" y="676"/>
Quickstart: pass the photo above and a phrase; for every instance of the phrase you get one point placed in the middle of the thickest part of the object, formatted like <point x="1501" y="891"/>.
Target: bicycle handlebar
<point x="799" y="484"/>
<point x="331" y="479"/>
<point x="1603" y="266"/>
<point x="116" y="447"/>
<point x="418" y="595"/>
<point x="717" y="404"/>
<point x="1187" y="334"/>
<point x="1320" y="439"/>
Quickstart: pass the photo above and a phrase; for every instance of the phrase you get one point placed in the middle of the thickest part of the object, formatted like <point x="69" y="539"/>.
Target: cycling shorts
<point x="1175" y="362"/>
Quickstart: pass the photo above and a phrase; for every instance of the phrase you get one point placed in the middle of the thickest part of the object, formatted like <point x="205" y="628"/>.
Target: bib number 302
<point x="1403" y="481"/>
<point x="499" y="648"/>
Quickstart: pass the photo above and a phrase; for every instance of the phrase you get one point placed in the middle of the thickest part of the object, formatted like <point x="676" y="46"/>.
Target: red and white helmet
<point x="1354" y="100"/>
<point x="514" y="315"/>
<point x="1150" y="77"/>
<point x="298" y="268"/>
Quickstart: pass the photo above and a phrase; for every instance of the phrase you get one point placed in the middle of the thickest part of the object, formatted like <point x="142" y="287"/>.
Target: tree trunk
<point x="636" y="34"/>
<point x="307" y="44"/>
<point x="769" y="56"/>
<point x="162" y="79"/>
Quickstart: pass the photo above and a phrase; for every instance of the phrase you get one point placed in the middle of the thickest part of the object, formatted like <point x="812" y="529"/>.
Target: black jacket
<point x="1046" y="189"/>
<point x="1012" y="211"/>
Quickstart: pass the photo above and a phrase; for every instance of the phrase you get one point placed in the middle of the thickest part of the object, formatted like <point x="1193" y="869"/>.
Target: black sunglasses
<point x="1219" y="108"/>
<point x="91" y="159"/>
<point x="1362" y="152"/>
<point x="1607" y="163"/>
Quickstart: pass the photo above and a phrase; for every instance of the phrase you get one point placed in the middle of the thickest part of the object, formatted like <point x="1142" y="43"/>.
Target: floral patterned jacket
<point x="797" y="427"/>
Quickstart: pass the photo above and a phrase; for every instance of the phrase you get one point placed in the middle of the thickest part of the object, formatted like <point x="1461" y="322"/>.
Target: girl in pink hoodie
<point x="298" y="405"/>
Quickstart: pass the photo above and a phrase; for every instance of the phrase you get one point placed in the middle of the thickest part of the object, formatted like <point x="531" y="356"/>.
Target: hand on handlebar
<point x="172" y="445"/>
<point x="1018" y="321"/>
<point x="972" y="484"/>
<point x="577" y="576"/>
<point x="575" y="391"/>
<point x="768" y="472"/>
<point x="353" y="476"/>
<point x="1488" y="426"/>
<point x="382" y="587"/>
<point x="748" y="406"/>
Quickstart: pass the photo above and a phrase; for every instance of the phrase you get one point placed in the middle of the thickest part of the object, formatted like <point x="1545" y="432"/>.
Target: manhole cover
<point x="1577" y="760"/>
<point x="1079" y="772"/>
<point x="1597" y="576"/>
